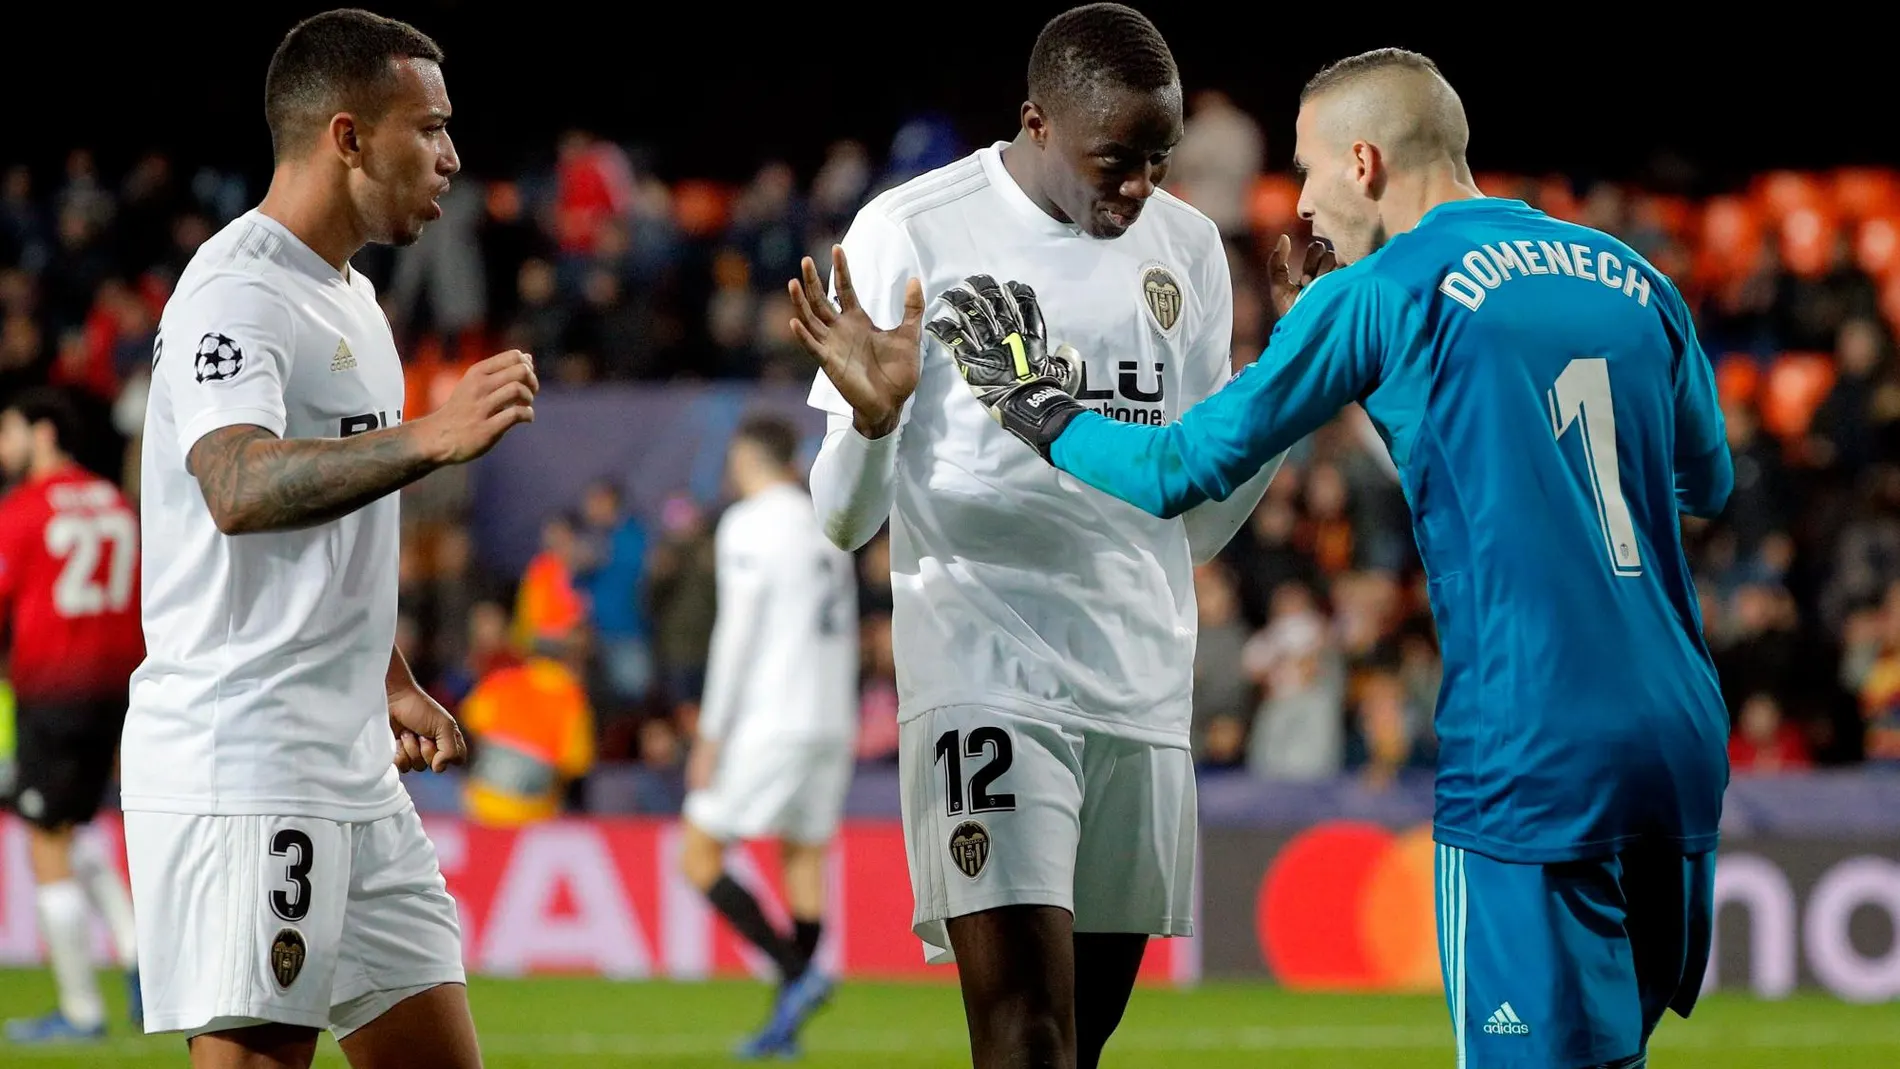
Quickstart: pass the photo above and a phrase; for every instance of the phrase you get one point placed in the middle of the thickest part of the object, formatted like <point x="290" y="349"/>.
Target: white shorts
<point x="1004" y="810"/>
<point x="244" y="920"/>
<point x="776" y="789"/>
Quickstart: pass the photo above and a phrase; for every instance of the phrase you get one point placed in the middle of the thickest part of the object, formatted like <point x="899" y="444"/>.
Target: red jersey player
<point x="69" y="606"/>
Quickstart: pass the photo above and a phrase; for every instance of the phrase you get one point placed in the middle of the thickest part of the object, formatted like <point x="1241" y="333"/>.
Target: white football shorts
<point x="1004" y="810"/>
<point x="769" y="788"/>
<point x="244" y="920"/>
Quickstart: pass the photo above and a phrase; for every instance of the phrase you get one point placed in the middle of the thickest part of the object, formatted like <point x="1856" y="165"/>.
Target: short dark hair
<point x="1378" y="59"/>
<point x="47" y="404"/>
<point x="1095" y="45"/>
<point x="341" y="60"/>
<point x="773" y="434"/>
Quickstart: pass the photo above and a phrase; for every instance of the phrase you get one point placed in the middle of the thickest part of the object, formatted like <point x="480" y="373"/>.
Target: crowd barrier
<point x="1328" y="887"/>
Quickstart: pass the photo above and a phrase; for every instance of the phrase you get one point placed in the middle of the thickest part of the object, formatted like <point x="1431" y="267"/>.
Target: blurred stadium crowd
<point x="1316" y="655"/>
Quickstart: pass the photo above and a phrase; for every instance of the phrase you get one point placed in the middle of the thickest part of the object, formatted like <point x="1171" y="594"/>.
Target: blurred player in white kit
<point x="777" y="726"/>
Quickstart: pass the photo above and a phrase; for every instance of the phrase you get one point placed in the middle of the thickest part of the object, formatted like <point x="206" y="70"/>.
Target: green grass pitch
<point x="557" y="1023"/>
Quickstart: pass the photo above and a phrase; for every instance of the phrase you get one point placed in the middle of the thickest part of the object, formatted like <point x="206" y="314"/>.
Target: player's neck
<point x="47" y="465"/>
<point x="759" y="484"/>
<point x="316" y="212"/>
<point x="1407" y="199"/>
<point x="1019" y="160"/>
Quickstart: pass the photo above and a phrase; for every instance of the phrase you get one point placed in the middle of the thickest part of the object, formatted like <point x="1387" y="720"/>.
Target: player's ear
<point x="346" y="138"/>
<point x="1368" y="168"/>
<point x="1036" y="123"/>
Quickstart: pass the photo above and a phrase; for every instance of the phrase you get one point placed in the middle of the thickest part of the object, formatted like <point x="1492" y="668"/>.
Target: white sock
<point x="109" y="896"/>
<point x="64" y="923"/>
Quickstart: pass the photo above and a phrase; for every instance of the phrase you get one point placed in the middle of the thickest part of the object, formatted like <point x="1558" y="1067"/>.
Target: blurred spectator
<point x="541" y="320"/>
<point x="531" y="733"/>
<point x="1764" y="743"/>
<point x="681" y="593"/>
<point x="1872" y="671"/>
<point x="1856" y="422"/>
<point x="923" y="143"/>
<point x="1220" y="155"/>
<point x="439" y="283"/>
<point x="877" y="708"/>
<point x="24" y="238"/>
<point x="1758" y="506"/>
<point x="836" y="193"/>
<point x="1810" y="311"/>
<point x="488" y="647"/>
<point x="1221" y="689"/>
<point x="613" y="563"/>
<point x="548" y="606"/>
<point x="1298" y="731"/>
<point x="1384" y="739"/>
<point x="594" y="183"/>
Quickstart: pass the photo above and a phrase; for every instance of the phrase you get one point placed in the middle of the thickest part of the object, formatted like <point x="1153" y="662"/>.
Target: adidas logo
<point x="344" y="360"/>
<point x="1504" y="1022"/>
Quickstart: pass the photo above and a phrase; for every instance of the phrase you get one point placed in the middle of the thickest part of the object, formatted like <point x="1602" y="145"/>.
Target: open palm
<point x="875" y="370"/>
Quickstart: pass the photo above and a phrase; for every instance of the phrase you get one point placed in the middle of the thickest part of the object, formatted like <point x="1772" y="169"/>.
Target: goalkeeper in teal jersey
<point x="1543" y="394"/>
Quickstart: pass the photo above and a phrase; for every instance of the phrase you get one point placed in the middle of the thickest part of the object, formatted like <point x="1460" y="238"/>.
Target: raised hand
<point x="875" y="370"/>
<point x="1285" y="281"/>
<point x="491" y="397"/>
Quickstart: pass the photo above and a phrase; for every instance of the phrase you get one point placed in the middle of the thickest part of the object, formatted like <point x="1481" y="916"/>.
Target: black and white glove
<point x="995" y="333"/>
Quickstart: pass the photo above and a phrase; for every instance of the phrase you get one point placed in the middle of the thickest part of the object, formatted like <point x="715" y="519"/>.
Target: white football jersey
<point x="784" y="657"/>
<point x="262" y="690"/>
<point x="1016" y="586"/>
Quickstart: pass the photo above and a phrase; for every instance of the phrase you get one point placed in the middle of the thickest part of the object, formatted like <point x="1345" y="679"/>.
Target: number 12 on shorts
<point x="988" y="743"/>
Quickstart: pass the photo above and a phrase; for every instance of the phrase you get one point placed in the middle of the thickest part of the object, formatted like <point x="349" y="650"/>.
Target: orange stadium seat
<point x="1863" y="192"/>
<point x="1877" y="245"/>
<point x="1273" y="206"/>
<point x="702" y="208"/>
<point x="1555" y="198"/>
<point x="1674" y="216"/>
<point x="1737" y="378"/>
<point x="1794" y="387"/>
<point x="1781" y="193"/>
<point x="1808" y="236"/>
<point x="1731" y="236"/>
<point x="504" y="201"/>
<point x="1499" y="184"/>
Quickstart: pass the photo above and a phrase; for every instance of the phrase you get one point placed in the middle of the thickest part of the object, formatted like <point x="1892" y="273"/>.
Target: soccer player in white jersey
<point x="1044" y="632"/>
<point x="773" y="751"/>
<point x="281" y="879"/>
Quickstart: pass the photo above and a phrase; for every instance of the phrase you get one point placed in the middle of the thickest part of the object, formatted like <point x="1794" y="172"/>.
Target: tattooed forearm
<point x="254" y="481"/>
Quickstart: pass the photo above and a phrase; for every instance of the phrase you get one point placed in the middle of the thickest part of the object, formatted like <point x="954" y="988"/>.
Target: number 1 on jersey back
<point x="1583" y="389"/>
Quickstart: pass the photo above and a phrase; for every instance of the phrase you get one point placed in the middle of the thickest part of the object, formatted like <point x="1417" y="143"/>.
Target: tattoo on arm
<point x="254" y="481"/>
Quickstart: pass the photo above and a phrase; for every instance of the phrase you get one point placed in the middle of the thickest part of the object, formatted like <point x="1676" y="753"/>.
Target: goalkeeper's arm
<point x="1325" y="353"/>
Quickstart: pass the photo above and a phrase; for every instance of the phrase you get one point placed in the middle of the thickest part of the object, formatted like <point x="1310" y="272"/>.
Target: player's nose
<point x="450" y="161"/>
<point x="1140" y="185"/>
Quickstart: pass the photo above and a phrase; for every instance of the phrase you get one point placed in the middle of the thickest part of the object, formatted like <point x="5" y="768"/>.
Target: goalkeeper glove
<point x="996" y="336"/>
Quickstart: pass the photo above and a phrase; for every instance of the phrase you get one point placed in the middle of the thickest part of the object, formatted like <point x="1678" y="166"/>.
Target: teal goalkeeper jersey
<point x="1550" y="411"/>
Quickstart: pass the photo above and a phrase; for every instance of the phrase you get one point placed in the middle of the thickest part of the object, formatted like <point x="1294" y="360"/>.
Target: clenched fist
<point x="492" y="397"/>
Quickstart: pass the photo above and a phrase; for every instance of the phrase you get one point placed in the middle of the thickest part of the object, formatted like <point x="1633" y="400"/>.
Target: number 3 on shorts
<point x="292" y="902"/>
<point x="990" y="742"/>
